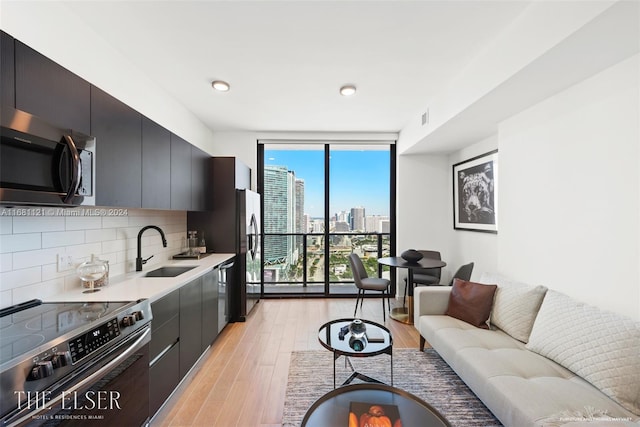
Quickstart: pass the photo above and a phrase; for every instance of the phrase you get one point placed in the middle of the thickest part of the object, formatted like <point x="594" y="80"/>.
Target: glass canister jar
<point x="104" y="281"/>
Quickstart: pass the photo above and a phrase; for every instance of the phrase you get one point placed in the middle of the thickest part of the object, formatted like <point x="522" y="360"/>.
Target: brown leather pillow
<point x="471" y="302"/>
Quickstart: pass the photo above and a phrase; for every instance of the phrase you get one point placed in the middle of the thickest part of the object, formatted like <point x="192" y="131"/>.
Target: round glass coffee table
<point x="379" y="342"/>
<point x="333" y="409"/>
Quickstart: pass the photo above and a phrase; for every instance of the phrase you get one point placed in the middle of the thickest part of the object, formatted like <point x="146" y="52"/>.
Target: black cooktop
<point x="25" y="330"/>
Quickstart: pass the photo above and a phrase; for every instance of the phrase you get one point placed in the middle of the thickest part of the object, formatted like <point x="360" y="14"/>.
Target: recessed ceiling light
<point x="347" y="90"/>
<point x="220" y="85"/>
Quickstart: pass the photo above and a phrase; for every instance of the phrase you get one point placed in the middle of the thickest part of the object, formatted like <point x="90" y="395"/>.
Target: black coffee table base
<point x="356" y="374"/>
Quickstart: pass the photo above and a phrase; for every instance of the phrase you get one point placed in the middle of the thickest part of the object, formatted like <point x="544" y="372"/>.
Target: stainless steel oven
<point x="75" y="364"/>
<point x="41" y="164"/>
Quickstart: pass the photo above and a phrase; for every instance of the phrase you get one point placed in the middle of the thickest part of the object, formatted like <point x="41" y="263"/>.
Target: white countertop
<point x="134" y="286"/>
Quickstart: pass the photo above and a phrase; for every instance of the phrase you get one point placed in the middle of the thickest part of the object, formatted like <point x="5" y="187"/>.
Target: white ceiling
<point x="285" y="60"/>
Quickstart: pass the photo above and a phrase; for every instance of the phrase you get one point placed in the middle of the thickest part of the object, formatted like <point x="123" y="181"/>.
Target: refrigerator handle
<point x="253" y="236"/>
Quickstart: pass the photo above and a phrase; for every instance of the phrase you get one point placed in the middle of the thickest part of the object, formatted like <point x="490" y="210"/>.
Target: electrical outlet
<point x="65" y="262"/>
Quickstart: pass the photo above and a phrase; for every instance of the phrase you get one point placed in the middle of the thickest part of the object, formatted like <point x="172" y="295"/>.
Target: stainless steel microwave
<point x="41" y="164"/>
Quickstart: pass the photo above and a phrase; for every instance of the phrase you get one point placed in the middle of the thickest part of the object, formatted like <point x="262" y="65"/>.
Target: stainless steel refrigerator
<point x="249" y="251"/>
<point x="231" y="224"/>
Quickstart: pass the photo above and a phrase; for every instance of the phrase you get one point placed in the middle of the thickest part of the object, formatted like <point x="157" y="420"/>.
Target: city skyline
<point x="357" y="178"/>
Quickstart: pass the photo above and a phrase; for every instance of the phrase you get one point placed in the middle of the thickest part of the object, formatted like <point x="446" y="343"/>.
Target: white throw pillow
<point x="515" y="306"/>
<point x="600" y="346"/>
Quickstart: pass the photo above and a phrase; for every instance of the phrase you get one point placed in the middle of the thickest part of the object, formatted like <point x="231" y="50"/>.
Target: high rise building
<point x="283" y="214"/>
<point x="357" y="219"/>
<point x="376" y="224"/>
<point x="278" y="207"/>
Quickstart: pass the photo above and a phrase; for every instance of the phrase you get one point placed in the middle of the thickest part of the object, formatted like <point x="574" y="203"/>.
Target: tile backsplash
<point x="32" y="238"/>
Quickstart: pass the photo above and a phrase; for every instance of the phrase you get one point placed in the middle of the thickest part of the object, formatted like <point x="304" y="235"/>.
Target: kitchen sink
<point x="169" y="271"/>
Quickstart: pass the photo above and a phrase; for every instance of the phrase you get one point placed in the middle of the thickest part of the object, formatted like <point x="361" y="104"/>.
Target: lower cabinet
<point x="190" y="324"/>
<point x="164" y="350"/>
<point x="164" y="378"/>
<point x="185" y="323"/>
<point x="209" y="308"/>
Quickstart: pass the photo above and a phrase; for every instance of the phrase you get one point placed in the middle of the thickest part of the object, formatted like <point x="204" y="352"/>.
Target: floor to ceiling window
<point x="321" y="202"/>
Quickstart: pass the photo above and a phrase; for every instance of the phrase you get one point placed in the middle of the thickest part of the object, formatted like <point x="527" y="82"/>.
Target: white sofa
<point x="572" y="364"/>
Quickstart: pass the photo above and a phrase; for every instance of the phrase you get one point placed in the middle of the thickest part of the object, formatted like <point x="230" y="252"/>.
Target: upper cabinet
<point x="138" y="163"/>
<point x="7" y="71"/>
<point x="118" y="131"/>
<point x="50" y="91"/>
<point x="180" y="173"/>
<point x="156" y="165"/>
<point x="226" y="175"/>
<point x="199" y="178"/>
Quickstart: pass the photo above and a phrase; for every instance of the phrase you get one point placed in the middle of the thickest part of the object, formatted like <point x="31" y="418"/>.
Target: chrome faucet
<point x="139" y="260"/>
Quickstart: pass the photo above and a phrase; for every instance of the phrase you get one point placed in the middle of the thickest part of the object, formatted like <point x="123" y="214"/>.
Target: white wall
<point x="472" y="246"/>
<point x="30" y="244"/>
<point x="570" y="189"/>
<point x="422" y="221"/>
<point x="425" y="213"/>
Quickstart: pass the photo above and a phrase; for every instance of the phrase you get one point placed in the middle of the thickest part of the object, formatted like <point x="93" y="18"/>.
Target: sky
<point x="358" y="178"/>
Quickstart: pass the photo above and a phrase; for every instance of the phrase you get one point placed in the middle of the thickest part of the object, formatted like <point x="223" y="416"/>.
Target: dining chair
<point x="365" y="283"/>
<point x="424" y="276"/>
<point x="463" y="273"/>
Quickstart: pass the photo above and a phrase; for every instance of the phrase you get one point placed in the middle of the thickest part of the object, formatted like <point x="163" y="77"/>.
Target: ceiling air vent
<point x="425" y="117"/>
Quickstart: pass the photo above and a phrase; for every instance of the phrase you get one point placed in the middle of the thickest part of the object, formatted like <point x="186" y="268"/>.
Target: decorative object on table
<point x="475" y="193"/>
<point x="358" y="339"/>
<point x="90" y="272"/>
<point x="411" y="255"/>
<point x="374" y="415"/>
<point x="358" y="343"/>
<point x="357" y="328"/>
<point x="374" y="336"/>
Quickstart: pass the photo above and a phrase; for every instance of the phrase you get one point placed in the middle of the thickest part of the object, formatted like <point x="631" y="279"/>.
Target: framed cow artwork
<point x="475" y="193"/>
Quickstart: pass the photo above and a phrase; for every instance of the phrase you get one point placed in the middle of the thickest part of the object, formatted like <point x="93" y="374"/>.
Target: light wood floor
<point x="241" y="379"/>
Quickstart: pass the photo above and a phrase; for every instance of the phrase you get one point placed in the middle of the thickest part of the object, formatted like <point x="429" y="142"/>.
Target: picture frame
<point x="475" y="193"/>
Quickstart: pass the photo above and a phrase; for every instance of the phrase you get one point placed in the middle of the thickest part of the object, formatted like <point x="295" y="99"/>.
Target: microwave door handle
<point x="75" y="169"/>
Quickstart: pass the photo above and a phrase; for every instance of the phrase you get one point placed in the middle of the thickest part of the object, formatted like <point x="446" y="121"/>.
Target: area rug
<point x="423" y="374"/>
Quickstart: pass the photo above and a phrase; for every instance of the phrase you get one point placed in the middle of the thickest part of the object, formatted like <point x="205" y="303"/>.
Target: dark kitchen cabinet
<point x="190" y="324"/>
<point x="164" y="350"/>
<point x="164" y="377"/>
<point x="156" y="165"/>
<point x="50" y="91"/>
<point x="7" y="71"/>
<point x="227" y="174"/>
<point x="180" y="173"/>
<point x="209" y="308"/>
<point x="118" y="131"/>
<point x="199" y="178"/>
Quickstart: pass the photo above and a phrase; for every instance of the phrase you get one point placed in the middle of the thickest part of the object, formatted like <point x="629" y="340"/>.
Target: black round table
<point x="329" y="337"/>
<point x="333" y="408"/>
<point x="405" y="314"/>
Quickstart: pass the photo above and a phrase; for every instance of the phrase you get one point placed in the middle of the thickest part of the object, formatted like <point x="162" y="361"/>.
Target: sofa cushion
<point x="471" y="302"/>
<point x="516" y="305"/>
<point x="601" y="347"/>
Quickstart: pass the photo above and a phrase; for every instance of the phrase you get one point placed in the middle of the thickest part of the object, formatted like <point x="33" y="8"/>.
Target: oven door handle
<point x="91" y="378"/>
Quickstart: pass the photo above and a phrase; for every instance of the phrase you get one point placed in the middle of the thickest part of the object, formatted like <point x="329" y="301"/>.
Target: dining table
<point x="404" y="314"/>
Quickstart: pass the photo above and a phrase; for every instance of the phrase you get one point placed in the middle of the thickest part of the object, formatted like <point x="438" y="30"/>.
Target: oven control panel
<point x="85" y="344"/>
